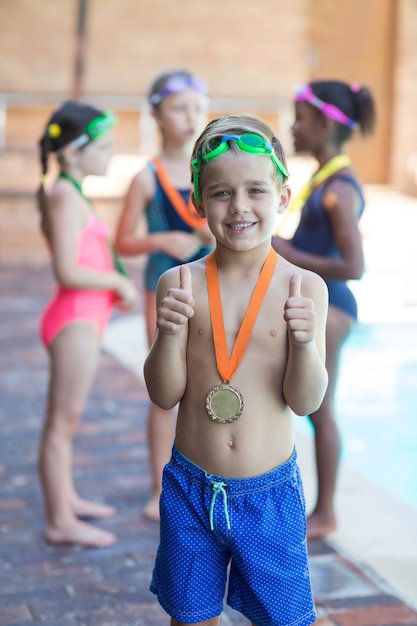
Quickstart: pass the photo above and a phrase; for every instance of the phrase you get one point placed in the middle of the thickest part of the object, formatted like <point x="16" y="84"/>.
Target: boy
<point x="240" y="346"/>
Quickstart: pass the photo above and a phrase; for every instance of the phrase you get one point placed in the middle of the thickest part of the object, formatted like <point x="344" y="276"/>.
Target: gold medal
<point x="224" y="403"/>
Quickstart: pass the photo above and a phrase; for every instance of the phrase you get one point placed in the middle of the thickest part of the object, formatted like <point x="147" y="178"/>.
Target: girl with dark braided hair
<point x="72" y="324"/>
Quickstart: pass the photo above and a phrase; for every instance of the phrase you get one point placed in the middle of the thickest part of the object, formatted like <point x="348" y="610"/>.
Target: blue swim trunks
<point x="255" y="526"/>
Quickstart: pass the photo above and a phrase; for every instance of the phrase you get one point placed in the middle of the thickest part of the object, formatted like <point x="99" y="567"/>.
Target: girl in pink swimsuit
<point x="72" y="304"/>
<point x="74" y="321"/>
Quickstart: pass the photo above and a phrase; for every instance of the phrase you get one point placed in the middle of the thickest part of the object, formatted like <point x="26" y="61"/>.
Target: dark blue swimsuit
<point x="314" y="235"/>
<point x="162" y="217"/>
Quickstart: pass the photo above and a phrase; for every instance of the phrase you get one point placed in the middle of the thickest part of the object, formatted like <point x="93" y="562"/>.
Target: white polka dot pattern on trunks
<point x="252" y="529"/>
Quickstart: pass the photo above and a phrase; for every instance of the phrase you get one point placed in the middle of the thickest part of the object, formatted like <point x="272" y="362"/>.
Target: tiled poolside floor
<point x="63" y="586"/>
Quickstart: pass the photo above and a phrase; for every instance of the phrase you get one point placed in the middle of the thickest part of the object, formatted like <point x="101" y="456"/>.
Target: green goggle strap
<point x="249" y="143"/>
<point x="95" y="129"/>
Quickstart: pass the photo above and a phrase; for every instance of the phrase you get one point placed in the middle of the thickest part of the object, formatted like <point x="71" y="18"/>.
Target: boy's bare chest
<point x="264" y="322"/>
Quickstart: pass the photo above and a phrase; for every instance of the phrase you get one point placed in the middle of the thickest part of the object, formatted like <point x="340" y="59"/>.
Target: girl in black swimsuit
<point x="328" y="241"/>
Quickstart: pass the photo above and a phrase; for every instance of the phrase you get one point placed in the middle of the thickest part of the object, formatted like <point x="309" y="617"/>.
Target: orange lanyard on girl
<point x="186" y="212"/>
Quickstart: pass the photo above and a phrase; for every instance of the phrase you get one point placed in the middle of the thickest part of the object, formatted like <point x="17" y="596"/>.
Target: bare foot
<point x="319" y="526"/>
<point x="79" y="533"/>
<point x="92" y="510"/>
<point x="151" y="510"/>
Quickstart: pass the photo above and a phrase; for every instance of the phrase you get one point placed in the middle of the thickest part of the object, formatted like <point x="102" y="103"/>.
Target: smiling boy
<point x="240" y="346"/>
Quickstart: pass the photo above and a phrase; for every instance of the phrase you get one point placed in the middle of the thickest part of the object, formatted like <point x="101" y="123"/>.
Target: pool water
<point x="377" y="405"/>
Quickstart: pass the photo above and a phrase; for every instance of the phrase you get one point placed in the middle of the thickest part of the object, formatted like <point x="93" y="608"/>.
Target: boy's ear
<point x="198" y="207"/>
<point x="284" y="198"/>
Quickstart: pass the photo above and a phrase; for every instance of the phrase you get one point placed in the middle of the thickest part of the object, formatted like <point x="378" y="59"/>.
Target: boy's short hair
<point x="235" y="125"/>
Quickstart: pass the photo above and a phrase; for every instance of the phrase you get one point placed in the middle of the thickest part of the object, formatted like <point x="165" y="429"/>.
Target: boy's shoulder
<point x="170" y="277"/>
<point x="311" y="281"/>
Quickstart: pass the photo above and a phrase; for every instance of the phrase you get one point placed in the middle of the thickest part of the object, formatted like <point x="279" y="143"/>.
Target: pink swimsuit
<point x="74" y="305"/>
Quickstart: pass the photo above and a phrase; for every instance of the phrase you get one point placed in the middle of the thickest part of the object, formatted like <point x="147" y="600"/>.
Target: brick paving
<point x="64" y="586"/>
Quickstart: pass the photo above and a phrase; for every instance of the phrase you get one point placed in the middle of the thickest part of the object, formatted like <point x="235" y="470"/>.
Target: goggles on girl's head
<point x="248" y="142"/>
<point x="178" y="84"/>
<point x="95" y="129"/>
<point x="304" y="93"/>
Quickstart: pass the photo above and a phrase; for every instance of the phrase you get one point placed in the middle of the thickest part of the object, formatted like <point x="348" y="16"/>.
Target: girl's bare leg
<point x="74" y="357"/>
<point x="327" y="438"/>
<point x="160" y="428"/>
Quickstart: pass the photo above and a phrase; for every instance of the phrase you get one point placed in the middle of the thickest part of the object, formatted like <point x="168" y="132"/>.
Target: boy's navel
<point x="231" y="443"/>
<point x="273" y="332"/>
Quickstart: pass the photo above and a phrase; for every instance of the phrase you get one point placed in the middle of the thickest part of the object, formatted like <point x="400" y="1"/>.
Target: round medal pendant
<point x="224" y="403"/>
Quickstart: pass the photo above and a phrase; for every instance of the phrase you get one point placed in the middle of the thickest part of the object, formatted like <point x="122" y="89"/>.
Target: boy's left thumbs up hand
<point x="295" y="286"/>
<point x="299" y="314"/>
<point x="177" y="307"/>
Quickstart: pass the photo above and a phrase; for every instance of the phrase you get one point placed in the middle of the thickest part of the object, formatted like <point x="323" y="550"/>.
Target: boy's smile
<point x="238" y="226"/>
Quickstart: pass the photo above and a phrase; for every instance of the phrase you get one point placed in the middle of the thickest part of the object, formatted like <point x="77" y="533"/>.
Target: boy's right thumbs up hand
<point x="177" y="307"/>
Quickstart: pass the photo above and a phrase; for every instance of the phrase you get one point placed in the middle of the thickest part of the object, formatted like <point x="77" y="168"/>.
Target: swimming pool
<point x="377" y="405"/>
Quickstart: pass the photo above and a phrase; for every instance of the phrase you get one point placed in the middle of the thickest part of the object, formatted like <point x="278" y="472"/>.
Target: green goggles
<point x="95" y="129"/>
<point x="248" y="142"/>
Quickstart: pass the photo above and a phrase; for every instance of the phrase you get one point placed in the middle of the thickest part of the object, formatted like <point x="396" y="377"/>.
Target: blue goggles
<point x="248" y="142"/>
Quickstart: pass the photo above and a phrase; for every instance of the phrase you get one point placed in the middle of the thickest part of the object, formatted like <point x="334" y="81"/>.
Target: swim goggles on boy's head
<point x="178" y="84"/>
<point x="95" y="129"/>
<point x="304" y="93"/>
<point x="248" y="142"/>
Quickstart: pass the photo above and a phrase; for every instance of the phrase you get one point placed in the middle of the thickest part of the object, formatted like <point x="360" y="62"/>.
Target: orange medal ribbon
<point x="186" y="212"/>
<point x="224" y="403"/>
